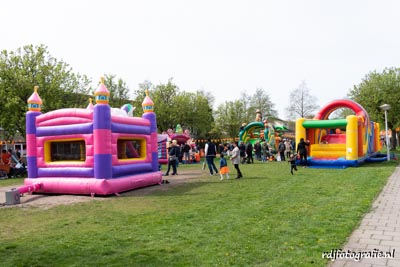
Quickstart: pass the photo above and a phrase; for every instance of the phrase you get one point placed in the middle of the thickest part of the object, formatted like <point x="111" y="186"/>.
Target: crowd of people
<point x="237" y="153"/>
<point x="180" y="154"/>
<point x="263" y="152"/>
<point x="259" y="151"/>
<point x="11" y="164"/>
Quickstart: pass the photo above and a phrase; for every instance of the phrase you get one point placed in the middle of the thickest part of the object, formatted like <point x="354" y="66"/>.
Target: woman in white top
<point x="236" y="159"/>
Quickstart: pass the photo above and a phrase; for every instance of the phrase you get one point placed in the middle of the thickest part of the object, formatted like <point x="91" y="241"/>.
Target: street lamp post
<point x="386" y="107"/>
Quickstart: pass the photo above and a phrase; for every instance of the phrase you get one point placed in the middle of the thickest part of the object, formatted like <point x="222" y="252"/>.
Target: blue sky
<point x="225" y="47"/>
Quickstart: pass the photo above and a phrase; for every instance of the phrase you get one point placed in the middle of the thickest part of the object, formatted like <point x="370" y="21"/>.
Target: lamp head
<point x="385" y="107"/>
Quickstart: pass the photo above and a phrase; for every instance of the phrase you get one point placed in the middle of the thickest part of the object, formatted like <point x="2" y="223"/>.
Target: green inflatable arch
<point x="244" y="135"/>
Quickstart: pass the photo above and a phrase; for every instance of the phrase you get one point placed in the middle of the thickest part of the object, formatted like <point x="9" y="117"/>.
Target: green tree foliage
<point x="118" y="91"/>
<point x="247" y="115"/>
<point x="194" y="113"/>
<point x="139" y="95"/>
<point x="164" y="98"/>
<point x="262" y="101"/>
<point x="232" y="114"/>
<point x="377" y="89"/>
<point x="301" y="103"/>
<point x="191" y="110"/>
<point x="229" y="117"/>
<point x="27" y="67"/>
<point x="251" y="103"/>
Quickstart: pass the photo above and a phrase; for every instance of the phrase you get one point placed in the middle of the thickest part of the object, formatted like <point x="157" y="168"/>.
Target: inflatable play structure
<point x="340" y="143"/>
<point x="91" y="151"/>
<point x="179" y="135"/>
<point x="162" y="140"/>
<point x="258" y="130"/>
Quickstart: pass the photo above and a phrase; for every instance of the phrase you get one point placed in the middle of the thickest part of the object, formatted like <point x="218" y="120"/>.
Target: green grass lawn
<point x="268" y="218"/>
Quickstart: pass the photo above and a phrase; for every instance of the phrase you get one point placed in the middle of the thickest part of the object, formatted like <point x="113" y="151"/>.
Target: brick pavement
<point x="379" y="229"/>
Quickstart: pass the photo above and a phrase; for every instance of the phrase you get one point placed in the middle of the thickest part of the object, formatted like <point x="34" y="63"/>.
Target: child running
<point x="223" y="167"/>
<point x="292" y="161"/>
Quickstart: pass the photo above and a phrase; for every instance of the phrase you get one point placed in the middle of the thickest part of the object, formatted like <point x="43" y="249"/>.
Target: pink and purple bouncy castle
<point x="91" y="151"/>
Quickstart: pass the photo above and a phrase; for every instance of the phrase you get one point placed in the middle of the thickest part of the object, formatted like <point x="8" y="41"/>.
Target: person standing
<point x="173" y="153"/>
<point x="242" y="151"/>
<point x="186" y="153"/>
<point x="257" y="150"/>
<point x="281" y="150"/>
<point x="210" y="151"/>
<point x="302" y="151"/>
<point x="288" y="148"/>
<point x="264" y="148"/>
<point x="249" y="153"/>
<point x="236" y="159"/>
<point x="5" y="157"/>
<point x="18" y="153"/>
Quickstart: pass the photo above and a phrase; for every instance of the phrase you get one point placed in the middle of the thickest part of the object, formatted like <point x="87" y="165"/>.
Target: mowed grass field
<point x="268" y="218"/>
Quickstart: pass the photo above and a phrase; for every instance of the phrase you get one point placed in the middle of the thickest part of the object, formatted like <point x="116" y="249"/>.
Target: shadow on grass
<point x="380" y="164"/>
<point x="184" y="186"/>
<point x="173" y="188"/>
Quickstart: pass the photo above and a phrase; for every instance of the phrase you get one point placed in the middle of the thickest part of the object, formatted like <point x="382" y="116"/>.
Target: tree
<point x="229" y="117"/>
<point x="27" y="67"/>
<point x="118" y="90"/>
<point x="261" y="100"/>
<point x="191" y="110"/>
<point x="139" y="94"/>
<point x="164" y="97"/>
<point x="301" y="103"/>
<point x="377" y="89"/>
<point x="194" y="113"/>
<point x="245" y="101"/>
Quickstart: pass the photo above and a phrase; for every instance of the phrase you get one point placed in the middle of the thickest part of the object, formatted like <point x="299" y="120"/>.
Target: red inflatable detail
<point x="324" y="113"/>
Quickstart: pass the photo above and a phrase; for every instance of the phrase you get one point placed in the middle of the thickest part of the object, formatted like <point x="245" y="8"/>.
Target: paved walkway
<point x="379" y="230"/>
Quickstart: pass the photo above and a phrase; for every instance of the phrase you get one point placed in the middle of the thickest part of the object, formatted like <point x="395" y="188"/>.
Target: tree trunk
<point x="393" y="140"/>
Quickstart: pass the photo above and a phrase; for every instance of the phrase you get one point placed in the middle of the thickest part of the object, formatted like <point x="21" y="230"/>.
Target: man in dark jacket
<point x="249" y="153"/>
<point x="281" y="149"/>
<point x="242" y="150"/>
<point x="302" y="151"/>
<point x="210" y="151"/>
<point x="173" y="153"/>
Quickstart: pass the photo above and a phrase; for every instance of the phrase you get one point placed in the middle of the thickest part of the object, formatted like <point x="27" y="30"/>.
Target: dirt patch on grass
<point x="46" y="201"/>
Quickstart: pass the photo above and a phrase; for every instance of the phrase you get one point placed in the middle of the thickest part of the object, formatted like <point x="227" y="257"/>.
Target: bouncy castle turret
<point x="90" y="106"/>
<point x="102" y="94"/>
<point x="34" y="110"/>
<point x="102" y="133"/>
<point x="148" y="113"/>
<point x="34" y="101"/>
